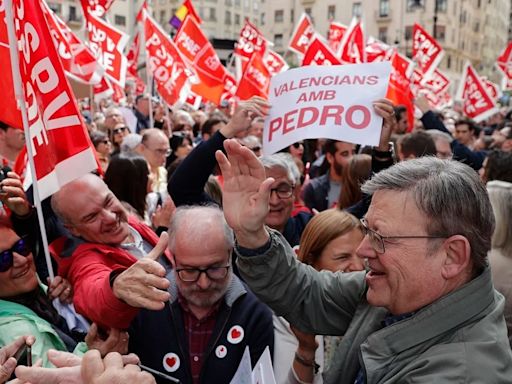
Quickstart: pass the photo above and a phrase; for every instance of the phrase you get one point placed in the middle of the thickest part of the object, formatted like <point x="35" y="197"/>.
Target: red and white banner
<point x="426" y="51"/>
<point x="438" y="82"/>
<point x="352" y="46"/>
<point x="201" y="58"/>
<point x="376" y="50"/>
<point x="255" y="80"/>
<point x="95" y="7"/>
<point x="251" y="40"/>
<point x="168" y="69"/>
<point x="274" y="62"/>
<point x="302" y="35"/>
<point x="505" y="57"/>
<point x="335" y="35"/>
<point x="56" y="132"/>
<point x="230" y="87"/>
<point x="78" y="60"/>
<point x="10" y="112"/>
<point x="108" y="44"/>
<point x="492" y="88"/>
<point x="103" y="90"/>
<point x="133" y="55"/>
<point x="477" y="103"/>
<point x="330" y="102"/>
<point x="399" y="91"/>
<point x="318" y="53"/>
<point x="193" y="100"/>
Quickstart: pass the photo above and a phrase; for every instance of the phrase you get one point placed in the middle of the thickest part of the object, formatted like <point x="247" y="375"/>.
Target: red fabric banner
<point x="201" y="58"/>
<point x="251" y="40"/>
<point x="426" y="51"/>
<point x="399" y="90"/>
<point x="96" y="7"/>
<point x="352" y="46"/>
<point x="477" y="103"/>
<point x="302" y="35"/>
<point x="376" y="50"/>
<point x="78" y="60"/>
<point x="255" y="80"/>
<point x="274" y="62"/>
<point x="108" y="44"/>
<point x="168" y="69"/>
<point x="318" y="53"/>
<point x="60" y="143"/>
<point x="335" y="35"/>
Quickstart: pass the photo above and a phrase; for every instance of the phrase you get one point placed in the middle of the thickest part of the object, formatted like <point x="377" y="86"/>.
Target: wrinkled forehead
<point x="279" y="174"/>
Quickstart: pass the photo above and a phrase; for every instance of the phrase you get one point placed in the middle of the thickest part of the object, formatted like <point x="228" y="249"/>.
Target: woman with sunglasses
<point x="102" y="146"/>
<point x="117" y="135"/>
<point x="25" y="309"/>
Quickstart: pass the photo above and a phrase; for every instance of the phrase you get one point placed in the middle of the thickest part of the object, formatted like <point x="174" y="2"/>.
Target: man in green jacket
<point x="425" y="311"/>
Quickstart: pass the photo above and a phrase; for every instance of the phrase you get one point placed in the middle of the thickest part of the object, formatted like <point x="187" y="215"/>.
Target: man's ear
<point x="329" y="157"/>
<point x="458" y="256"/>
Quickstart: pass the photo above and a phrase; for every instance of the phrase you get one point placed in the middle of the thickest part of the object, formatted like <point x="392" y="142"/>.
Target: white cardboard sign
<point x="333" y="102"/>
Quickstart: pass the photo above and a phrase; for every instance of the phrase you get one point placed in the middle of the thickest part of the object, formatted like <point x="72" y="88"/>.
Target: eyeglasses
<point x="7" y="258"/>
<point x="191" y="275"/>
<point x="119" y="130"/>
<point x="297" y="145"/>
<point x="255" y="149"/>
<point x="283" y="191"/>
<point x="104" y="142"/>
<point x="377" y="240"/>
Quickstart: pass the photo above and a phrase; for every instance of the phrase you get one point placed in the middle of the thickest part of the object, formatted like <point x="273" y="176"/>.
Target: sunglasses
<point x="297" y="145"/>
<point x="119" y="130"/>
<point x="6" y="257"/>
<point x="105" y="141"/>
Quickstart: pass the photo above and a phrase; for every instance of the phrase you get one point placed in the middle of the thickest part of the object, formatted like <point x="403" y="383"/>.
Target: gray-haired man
<point x="425" y="311"/>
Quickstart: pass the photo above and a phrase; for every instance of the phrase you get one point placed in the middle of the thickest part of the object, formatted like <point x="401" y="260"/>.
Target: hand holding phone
<point x="23" y="355"/>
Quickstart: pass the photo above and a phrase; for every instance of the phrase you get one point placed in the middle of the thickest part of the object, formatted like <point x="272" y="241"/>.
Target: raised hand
<point x="245" y="195"/>
<point x="384" y="108"/>
<point x="244" y="113"/>
<point x="144" y="285"/>
<point x="13" y="195"/>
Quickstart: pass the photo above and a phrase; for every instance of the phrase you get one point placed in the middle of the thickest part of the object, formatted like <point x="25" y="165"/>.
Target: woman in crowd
<point x="102" y="146"/>
<point x="500" y="256"/>
<point x="25" y="308"/>
<point x="117" y="134"/>
<point x="181" y="145"/>
<point x="358" y="171"/>
<point x="329" y="242"/>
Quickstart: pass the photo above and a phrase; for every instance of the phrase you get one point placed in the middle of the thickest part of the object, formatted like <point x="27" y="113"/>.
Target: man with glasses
<point x="155" y="148"/>
<point x="201" y="335"/>
<point x="425" y="311"/>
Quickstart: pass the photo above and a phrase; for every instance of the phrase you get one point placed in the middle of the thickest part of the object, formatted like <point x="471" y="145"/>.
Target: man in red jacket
<point x="112" y="255"/>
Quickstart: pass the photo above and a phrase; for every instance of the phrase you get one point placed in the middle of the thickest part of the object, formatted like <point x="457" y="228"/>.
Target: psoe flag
<point x="56" y="132"/>
<point x="333" y="102"/>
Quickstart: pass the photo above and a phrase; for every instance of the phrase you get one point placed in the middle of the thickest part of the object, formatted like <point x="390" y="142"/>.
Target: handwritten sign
<point x="332" y="102"/>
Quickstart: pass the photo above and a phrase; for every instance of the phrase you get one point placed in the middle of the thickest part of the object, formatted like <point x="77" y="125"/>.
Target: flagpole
<point x="149" y="80"/>
<point x="20" y="96"/>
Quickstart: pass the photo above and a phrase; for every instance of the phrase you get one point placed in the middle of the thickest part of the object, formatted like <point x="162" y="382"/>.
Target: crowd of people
<point x="351" y="264"/>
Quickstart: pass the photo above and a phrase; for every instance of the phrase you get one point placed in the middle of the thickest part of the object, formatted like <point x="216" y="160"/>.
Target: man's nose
<point x="365" y="249"/>
<point x="203" y="281"/>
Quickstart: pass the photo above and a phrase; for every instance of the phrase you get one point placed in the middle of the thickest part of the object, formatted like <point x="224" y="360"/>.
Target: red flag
<point x="477" y="104"/>
<point x="185" y="10"/>
<point x="193" y="101"/>
<point x="255" y="80"/>
<point x="103" y="90"/>
<point x="167" y="67"/>
<point x="108" y="44"/>
<point x="9" y="113"/>
<point x="251" y="40"/>
<point x="318" y="53"/>
<point x="426" y="51"/>
<point x="335" y="35"/>
<point x="201" y="58"/>
<point x="438" y="82"/>
<point x="399" y="90"/>
<point x="57" y="135"/>
<point x="78" y="60"/>
<point x="133" y="55"/>
<point x="274" y="62"/>
<point x="140" y="14"/>
<point x="352" y="46"/>
<point x="492" y="88"/>
<point x="505" y="58"/>
<point x="95" y="7"/>
<point x="303" y="33"/>
<point x="230" y="86"/>
<point x="377" y="51"/>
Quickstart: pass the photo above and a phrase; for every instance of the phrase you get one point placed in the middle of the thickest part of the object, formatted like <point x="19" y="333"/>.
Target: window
<point x="384" y="8"/>
<point x="72" y="14"/>
<point x="412" y="5"/>
<point x="331" y="12"/>
<point x="213" y="14"/>
<point x="255" y="6"/>
<point x="441" y="6"/>
<point x="237" y="3"/>
<point x="448" y="62"/>
<point x="237" y="19"/>
<point x="292" y="16"/>
<point x="278" y="40"/>
<point x="57" y="8"/>
<point x="279" y="16"/>
<point x="262" y="18"/>
<point x="440" y="32"/>
<point x="383" y="34"/>
<point x="227" y="18"/>
<point x="229" y="3"/>
<point x="476" y="26"/>
<point x="408" y="32"/>
<point x="307" y="11"/>
<point x="356" y="10"/>
<point x="246" y="5"/>
<point x="119" y="20"/>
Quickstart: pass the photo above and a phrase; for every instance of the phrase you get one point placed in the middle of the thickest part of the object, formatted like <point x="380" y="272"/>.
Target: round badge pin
<point x="221" y="351"/>
<point x="171" y="362"/>
<point x="235" y="334"/>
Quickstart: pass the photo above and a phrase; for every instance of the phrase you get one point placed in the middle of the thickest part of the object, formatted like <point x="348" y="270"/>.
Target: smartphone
<point x="24" y="355"/>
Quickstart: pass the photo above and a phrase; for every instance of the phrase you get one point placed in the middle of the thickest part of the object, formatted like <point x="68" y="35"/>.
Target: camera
<point x="3" y="172"/>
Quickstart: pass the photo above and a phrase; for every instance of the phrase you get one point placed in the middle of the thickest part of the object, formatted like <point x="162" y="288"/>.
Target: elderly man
<point x="425" y="311"/>
<point x="201" y="335"/>
<point x="111" y="257"/>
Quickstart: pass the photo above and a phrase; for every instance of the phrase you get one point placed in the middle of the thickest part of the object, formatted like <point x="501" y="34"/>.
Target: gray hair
<point x="196" y="220"/>
<point x="285" y="162"/>
<point x="500" y="194"/>
<point x="130" y="142"/>
<point x="439" y="135"/>
<point x="450" y="194"/>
